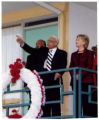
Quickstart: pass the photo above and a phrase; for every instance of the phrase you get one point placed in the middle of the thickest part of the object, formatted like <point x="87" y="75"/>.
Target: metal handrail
<point x="74" y="69"/>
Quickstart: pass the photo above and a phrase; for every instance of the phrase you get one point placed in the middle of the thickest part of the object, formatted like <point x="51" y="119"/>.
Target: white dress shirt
<point x="53" y="53"/>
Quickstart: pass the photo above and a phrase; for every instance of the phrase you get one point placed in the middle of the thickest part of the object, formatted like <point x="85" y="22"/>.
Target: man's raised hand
<point x="19" y="40"/>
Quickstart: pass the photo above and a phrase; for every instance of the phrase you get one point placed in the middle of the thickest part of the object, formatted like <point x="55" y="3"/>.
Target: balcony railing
<point x="63" y="93"/>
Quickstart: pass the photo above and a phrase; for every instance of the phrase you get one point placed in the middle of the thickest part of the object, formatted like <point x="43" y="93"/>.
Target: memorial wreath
<point x="18" y="71"/>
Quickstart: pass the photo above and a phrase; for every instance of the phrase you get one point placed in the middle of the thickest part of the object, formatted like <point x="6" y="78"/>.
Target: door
<point x="31" y="37"/>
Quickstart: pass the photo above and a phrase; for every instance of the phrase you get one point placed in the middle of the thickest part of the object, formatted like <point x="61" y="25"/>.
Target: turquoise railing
<point x="63" y="93"/>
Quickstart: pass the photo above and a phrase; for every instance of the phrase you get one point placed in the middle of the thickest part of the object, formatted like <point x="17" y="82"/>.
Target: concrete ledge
<point x="10" y="101"/>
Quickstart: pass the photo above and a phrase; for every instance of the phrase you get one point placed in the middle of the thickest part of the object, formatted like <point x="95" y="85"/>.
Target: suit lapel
<point x="55" y="57"/>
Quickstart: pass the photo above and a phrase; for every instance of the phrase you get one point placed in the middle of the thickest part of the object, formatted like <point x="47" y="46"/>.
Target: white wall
<point x="82" y="20"/>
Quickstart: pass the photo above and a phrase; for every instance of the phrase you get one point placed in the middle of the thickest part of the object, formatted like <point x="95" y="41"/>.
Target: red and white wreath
<point x="34" y="83"/>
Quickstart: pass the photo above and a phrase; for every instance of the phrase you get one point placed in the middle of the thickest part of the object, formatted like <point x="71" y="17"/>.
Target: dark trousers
<point x="51" y="95"/>
<point x="94" y="112"/>
<point x="52" y="109"/>
<point x="87" y="107"/>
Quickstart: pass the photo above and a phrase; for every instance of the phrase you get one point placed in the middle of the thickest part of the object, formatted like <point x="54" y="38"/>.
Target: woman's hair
<point x="85" y="38"/>
<point x="94" y="48"/>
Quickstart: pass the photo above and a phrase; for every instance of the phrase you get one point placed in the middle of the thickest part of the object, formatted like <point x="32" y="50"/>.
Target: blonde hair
<point x="85" y="38"/>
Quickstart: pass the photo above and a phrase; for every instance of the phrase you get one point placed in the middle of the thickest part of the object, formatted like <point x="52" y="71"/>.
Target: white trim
<point x="23" y="36"/>
<point x="40" y="18"/>
<point x="22" y="27"/>
<point x="49" y="7"/>
<point x="58" y="30"/>
<point x="42" y="25"/>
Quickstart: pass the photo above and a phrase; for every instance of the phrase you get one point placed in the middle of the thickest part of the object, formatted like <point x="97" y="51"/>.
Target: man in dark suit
<point x="50" y="58"/>
<point x="32" y="62"/>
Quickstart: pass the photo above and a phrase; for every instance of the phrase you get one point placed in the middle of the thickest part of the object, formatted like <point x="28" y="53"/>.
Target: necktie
<point x="49" y="60"/>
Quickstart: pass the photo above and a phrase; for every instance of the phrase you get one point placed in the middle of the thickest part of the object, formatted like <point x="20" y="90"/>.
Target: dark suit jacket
<point x="84" y="60"/>
<point x="59" y="60"/>
<point x="32" y="62"/>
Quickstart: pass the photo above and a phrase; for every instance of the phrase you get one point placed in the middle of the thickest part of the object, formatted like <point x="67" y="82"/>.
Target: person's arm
<point x="63" y="62"/>
<point x="95" y="68"/>
<point x="26" y="47"/>
<point x="89" y="63"/>
<point x="29" y="49"/>
<point x="62" y="65"/>
<point x="20" y="40"/>
<point x="71" y="65"/>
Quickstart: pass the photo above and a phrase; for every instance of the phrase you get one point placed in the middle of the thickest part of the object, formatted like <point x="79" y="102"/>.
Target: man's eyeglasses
<point x="51" y="41"/>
